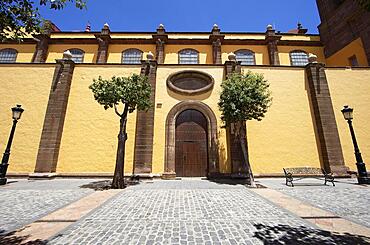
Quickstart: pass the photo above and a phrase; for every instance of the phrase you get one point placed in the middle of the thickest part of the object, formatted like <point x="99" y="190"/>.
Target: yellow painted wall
<point x="245" y="36"/>
<point x="72" y="35"/>
<point x="25" y="51"/>
<point x="260" y="51"/>
<point x="89" y="140"/>
<point x="341" y="57"/>
<point x="56" y="51"/>
<point x="131" y="35"/>
<point x="285" y="137"/>
<point x="189" y="35"/>
<point x="351" y="87"/>
<point x="28" y="85"/>
<point x="96" y="137"/>
<point x="285" y="50"/>
<point x="169" y="99"/>
<point x="300" y="38"/>
<point x="115" y="51"/>
<point x="205" y="53"/>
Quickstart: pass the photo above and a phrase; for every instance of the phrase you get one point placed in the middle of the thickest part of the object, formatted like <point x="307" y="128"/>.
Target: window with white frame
<point x="8" y="55"/>
<point x="246" y="57"/>
<point x="77" y="55"/>
<point x="188" y="56"/>
<point x="132" y="56"/>
<point x="298" y="58"/>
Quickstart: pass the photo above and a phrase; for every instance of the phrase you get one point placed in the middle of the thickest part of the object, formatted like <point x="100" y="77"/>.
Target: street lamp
<point x="16" y="115"/>
<point x="361" y="168"/>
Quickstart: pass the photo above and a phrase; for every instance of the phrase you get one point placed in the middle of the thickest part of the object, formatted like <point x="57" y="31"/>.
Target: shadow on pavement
<point x="285" y="234"/>
<point x="234" y="182"/>
<point x="106" y="184"/>
<point x="11" y="238"/>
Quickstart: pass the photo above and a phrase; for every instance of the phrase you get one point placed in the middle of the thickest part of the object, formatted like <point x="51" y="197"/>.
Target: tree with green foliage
<point x="244" y="97"/>
<point x="21" y="17"/>
<point x="364" y="4"/>
<point x="134" y="93"/>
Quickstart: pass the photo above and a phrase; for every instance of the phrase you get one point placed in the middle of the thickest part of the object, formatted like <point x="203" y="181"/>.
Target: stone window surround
<point x="77" y="49"/>
<point x="190" y="73"/>
<point x="131" y="49"/>
<point x="246" y="50"/>
<point x="182" y="50"/>
<point x="14" y="51"/>
<point x="297" y="51"/>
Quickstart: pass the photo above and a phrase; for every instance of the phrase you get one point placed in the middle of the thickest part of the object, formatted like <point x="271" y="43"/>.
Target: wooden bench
<point x="295" y="174"/>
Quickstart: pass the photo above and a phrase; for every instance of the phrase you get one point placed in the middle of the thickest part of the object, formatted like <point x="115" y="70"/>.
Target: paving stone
<point x="346" y="199"/>
<point x="175" y="212"/>
<point x="21" y="207"/>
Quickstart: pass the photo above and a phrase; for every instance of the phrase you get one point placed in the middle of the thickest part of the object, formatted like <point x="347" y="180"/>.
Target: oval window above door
<point x="190" y="82"/>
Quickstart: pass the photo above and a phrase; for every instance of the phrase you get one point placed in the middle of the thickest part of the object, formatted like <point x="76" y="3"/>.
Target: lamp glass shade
<point x="347" y="112"/>
<point x="17" y="112"/>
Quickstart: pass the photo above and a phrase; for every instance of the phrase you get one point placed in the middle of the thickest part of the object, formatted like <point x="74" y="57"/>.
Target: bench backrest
<point x="304" y="171"/>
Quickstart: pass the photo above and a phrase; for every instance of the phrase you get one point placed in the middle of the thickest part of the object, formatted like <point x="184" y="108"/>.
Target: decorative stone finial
<point x="150" y="56"/>
<point x="160" y="29"/>
<point x="105" y="30"/>
<point x="231" y="57"/>
<point x="269" y="27"/>
<point x="67" y="55"/>
<point x="312" y="58"/>
<point x="88" y="27"/>
<point x="215" y="29"/>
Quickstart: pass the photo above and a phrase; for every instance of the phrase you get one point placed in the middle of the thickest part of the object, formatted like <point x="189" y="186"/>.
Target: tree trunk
<point x="244" y="146"/>
<point x="118" y="178"/>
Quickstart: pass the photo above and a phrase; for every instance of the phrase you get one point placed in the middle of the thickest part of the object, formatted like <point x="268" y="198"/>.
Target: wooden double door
<point x="191" y="144"/>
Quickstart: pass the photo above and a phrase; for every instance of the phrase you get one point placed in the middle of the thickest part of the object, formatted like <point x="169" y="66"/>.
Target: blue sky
<point x="188" y="15"/>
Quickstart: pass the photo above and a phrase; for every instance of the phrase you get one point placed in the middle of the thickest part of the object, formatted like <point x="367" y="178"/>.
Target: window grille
<point x="132" y="56"/>
<point x="298" y="58"/>
<point x="246" y="57"/>
<point x="188" y="56"/>
<point x="8" y="55"/>
<point x="77" y="55"/>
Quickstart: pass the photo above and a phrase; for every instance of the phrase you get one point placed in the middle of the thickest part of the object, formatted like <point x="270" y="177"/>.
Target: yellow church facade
<point x="65" y="132"/>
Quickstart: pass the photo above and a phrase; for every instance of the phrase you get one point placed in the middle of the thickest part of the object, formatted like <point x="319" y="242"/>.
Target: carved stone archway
<point x="213" y="163"/>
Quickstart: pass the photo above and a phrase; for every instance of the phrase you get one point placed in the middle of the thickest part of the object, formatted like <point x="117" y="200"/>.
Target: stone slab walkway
<point x="193" y="212"/>
<point x="190" y="211"/>
<point x="346" y="199"/>
<point x="23" y="201"/>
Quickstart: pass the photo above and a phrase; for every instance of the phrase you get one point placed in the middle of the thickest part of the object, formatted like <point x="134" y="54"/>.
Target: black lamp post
<point x="361" y="167"/>
<point x="17" y="113"/>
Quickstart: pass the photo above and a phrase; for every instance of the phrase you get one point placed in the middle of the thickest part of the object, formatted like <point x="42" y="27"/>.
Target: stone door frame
<point x="212" y="147"/>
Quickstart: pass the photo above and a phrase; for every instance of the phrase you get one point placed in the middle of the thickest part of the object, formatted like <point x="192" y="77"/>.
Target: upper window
<point x="132" y="56"/>
<point x="8" y="55"/>
<point x="77" y="55"/>
<point x="188" y="56"/>
<point x="353" y="60"/>
<point x="298" y="58"/>
<point x="246" y="57"/>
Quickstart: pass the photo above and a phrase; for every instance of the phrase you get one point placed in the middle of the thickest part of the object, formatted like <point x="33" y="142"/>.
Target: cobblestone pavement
<point x="346" y="199"/>
<point x="187" y="212"/>
<point x="23" y="202"/>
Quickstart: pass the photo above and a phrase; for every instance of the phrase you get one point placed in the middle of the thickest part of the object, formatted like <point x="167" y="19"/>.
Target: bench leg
<point x="329" y="180"/>
<point x="287" y="181"/>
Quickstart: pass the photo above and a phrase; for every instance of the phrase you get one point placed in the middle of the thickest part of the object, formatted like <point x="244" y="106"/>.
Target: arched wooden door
<point x="191" y="144"/>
